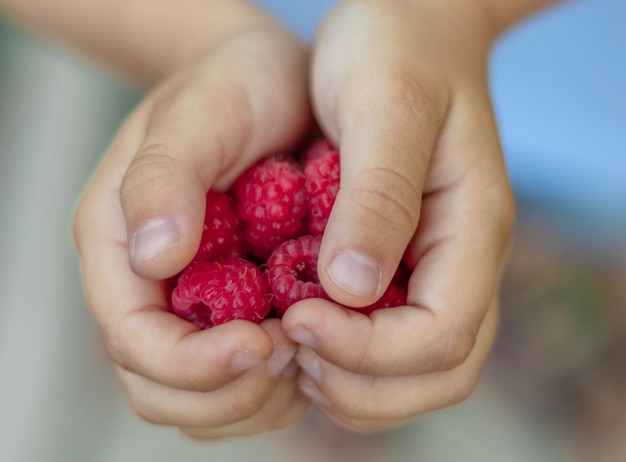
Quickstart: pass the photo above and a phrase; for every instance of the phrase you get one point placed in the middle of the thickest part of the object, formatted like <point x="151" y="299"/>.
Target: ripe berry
<point x="316" y="148"/>
<point x="272" y="204"/>
<point x="221" y="231"/>
<point x="278" y="216"/>
<point x="322" y="184"/>
<point x="395" y="295"/>
<point x="292" y="276"/>
<point x="396" y="292"/>
<point x="212" y="293"/>
<point x="292" y="272"/>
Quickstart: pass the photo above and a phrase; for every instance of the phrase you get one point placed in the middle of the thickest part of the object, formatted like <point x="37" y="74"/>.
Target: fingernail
<point x="244" y="360"/>
<point x="310" y="363"/>
<point x="355" y="273"/>
<point x="310" y="388"/>
<point x="304" y="337"/>
<point x="154" y="237"/>
<point x="280" y="359"/>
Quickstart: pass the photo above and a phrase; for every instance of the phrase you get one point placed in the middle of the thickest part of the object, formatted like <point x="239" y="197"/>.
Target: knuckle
<point x="150" y="170"/>
<point x="234" y="101"/>
<point x="499" y="214"/>
<point x="386" y="197"/>
<point x="243" y="405"/>
<point x="403" y="92"/>
<point x="507" y="212"/>
<point x="196" y="379"/>
<point x="464" y="389"/>
<point x="499" y="207"/>
<point x="117" y="336"/>
<point x="116" y="347"/>
<point x="141" y="407"/>
<point x="407" y="92"/>
<point x="456" y="347"/>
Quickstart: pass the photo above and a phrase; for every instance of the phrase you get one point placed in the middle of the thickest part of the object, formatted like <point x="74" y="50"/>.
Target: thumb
<point x="196" y="138"/>
<point x="386" y="133"/>
<point x="163" y="190"/>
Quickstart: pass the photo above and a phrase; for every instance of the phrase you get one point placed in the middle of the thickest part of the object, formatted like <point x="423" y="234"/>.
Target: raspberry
<point x="395" y="295"/>
<point x="292" y="276"/>
<point x="220" y="234"/>
<point x="317" y="148"/>
<point x="322" y="184"/>
<point x="292" y="272"/>
<point x="276" y="220"/>
<point x="272" y="204"/>
<point x="212" y="293"/>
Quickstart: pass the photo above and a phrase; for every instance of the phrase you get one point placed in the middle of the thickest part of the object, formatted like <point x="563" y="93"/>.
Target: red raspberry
<point x="272" y="204"/>
<point x="322" y="184"/>
<point x="396" y="293"/>
<point x="212" y="293"/>
<point x="316" y="148"/>
<point x="221" y="233"/>
<point x="292" y="272"/>
<point x="292" y="276"/>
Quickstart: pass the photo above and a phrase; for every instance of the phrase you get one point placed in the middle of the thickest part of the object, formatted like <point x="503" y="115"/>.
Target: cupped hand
<point x="401" y="89"/>
<point x="140" y="222"/>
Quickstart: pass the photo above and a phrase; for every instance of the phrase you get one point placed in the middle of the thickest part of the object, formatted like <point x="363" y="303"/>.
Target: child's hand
<point x="199" y="129"/>
<point x="401" y="88"/>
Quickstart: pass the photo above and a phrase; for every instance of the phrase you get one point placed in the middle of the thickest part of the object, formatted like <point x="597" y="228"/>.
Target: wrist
<point x="449" y="37"/>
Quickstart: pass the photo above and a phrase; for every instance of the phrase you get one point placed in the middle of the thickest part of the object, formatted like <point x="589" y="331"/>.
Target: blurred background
<point x="554" y="388"/>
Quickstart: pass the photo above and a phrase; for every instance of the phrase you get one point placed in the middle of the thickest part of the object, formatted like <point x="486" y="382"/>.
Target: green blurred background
<point x="554" y="388"/>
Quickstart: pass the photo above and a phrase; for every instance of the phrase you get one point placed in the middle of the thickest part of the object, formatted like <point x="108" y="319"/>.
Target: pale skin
<point x="401" y="88"/>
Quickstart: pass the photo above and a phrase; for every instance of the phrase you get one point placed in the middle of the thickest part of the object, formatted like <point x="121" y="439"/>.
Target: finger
<point x="384" y="112"/>
<point x="283" y="409"/>
<point x="239" y="400"/>
<point x="367" y="403"/>
<point x="194" y="133"/>
<point x="281" y="361"/>
<point x="457" y="255"/>
<point x="138" y="331"/>
<point x="387" y="125"/>
<point x="448" y="295"/>
<point x="449" y="292"/>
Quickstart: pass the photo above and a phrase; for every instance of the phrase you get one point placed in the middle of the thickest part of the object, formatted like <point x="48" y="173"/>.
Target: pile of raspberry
<point x="261" y="240"/>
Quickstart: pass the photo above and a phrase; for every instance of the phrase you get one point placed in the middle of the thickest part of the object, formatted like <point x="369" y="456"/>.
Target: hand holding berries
<point x="279" y="214"/>
<point x="149" y="198"/>
<point x="400" y="88"/>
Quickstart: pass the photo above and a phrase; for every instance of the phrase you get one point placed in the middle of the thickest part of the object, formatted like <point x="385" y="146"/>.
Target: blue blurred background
<point x="555" y="386"/>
